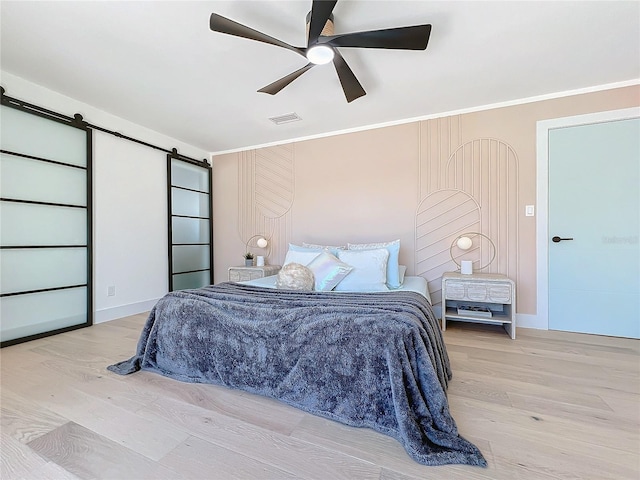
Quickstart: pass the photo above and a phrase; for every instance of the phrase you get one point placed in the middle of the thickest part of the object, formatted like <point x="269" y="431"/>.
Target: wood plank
<point x="153" y="440"/>
<point x="17" y="460"/>
<point x="290" y="454"/>
<point x="23" y="419"/>
<point x="558" y="459"/>
<point x="86" y="454"/>
<point x="468" y="384"/>
<point x="384" y="450"/>
<point x="253" y="409"/>
<point x="49" y="471"/>
<point x="494" y="422"/>
<point x="197" y="458"/>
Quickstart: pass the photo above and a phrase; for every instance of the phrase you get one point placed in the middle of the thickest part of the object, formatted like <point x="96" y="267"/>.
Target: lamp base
<point x="466" y="267"/>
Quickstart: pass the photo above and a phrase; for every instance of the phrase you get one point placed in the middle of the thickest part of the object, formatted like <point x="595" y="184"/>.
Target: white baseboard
<point x="107" y="314"/>
<point x="531" y="321"/>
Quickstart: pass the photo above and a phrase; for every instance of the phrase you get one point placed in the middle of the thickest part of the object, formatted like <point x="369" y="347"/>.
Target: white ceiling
<point x="159" y="65"/>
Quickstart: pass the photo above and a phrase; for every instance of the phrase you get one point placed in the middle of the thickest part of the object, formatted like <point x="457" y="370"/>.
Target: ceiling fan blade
<point x="220" y="24"/>
<point x="278" y="85"/>
<point x="350" y="84"/>
<point x="320" y="13"/>
<point x="402" y="38"/>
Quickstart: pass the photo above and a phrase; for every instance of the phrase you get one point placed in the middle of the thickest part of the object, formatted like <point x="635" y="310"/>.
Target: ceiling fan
<point x="322" y="44"/>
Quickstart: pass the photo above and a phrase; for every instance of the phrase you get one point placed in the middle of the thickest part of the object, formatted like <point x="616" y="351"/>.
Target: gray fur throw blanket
<point x="373" y="360"/>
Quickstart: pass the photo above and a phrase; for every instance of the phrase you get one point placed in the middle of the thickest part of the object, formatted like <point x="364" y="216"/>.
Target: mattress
<point x="410" y="284"/>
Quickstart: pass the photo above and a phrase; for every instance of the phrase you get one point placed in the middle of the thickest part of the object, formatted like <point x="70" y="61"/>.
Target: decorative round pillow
<point x="294" y="276"/>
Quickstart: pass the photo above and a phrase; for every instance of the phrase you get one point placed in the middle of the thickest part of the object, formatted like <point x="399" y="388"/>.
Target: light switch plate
<point x="529" y="210"/>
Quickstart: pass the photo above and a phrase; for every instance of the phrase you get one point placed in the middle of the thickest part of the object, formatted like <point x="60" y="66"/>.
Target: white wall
<point x="129" y="203"/>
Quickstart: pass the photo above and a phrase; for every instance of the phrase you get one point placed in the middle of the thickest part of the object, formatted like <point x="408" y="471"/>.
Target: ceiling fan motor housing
<point x="328" y="27"/>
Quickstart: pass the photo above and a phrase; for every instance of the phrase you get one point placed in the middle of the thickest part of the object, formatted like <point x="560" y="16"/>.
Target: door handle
<point x="557" y="239"/>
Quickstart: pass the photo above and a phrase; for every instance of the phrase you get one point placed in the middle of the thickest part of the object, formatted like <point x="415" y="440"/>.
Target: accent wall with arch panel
<point x="424" y="182"/>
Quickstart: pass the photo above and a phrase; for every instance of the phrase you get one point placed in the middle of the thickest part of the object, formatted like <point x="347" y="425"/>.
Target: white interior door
<point x="594" y="215"/>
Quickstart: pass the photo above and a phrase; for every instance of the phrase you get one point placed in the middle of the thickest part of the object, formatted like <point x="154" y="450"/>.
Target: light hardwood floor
<point x="548" y="405"/>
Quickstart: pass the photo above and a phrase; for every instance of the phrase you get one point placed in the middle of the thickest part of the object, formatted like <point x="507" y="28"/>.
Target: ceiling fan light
<point x="320" y="54"/>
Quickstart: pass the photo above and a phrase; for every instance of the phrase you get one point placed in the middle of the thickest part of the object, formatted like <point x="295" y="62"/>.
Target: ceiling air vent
<point x="286" y="118"/>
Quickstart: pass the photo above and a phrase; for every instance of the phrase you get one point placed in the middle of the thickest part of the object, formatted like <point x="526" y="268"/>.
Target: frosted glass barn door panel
<point x="191" y="280"/>
<point x="190" y="230"/>
<point x="28" y="269"/>
<point x="32" y="314"/>
<point x="189" y="176"/>
<point x="45" y="225"/>
<point x="190" y="204"/>
<point x="34" y="135"/>
<point x="25" y="224"/>
<point x="594" y="211"/>
<point x="188" y="258"/>
<point x="190" y="248"/>
<point x="35" y="180"/>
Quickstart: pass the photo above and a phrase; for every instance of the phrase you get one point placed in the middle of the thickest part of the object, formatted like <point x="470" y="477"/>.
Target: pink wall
<point x="422" y="182"/>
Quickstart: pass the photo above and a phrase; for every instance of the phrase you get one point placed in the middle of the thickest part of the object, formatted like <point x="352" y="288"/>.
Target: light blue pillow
<point x="301" y="255"/>
<point x="369" y="272"/>
<point x="393" y="273"/>
<point x="328" y="271"/>
<point x="298" y="248"/>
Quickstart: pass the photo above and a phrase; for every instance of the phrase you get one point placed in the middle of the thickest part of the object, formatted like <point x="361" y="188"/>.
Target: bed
<point x="365" y="359"/>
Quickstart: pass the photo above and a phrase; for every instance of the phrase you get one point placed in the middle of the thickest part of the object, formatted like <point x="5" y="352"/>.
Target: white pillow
<point x="393" y="274"/>
<point x="328" y="271"/>
<point x="369" y="272"/>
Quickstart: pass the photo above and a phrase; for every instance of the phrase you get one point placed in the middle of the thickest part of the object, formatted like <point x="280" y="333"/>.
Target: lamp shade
<point x="464" y="243"/>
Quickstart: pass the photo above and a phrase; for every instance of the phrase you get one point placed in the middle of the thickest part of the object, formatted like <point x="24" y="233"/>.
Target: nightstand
<point x="479" y="297"/>
<point x="240" y="274"/>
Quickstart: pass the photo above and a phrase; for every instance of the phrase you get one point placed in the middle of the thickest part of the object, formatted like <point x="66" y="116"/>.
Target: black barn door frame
<point x="203" y="164"/>
<point x="74" y="123"/>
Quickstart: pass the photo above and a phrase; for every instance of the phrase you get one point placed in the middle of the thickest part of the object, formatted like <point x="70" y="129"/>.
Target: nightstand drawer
<point x="242" y="274"/>
<point x="499" y="294"/>
<point x="478" y="292"/>
<point x="456" y="291"/>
